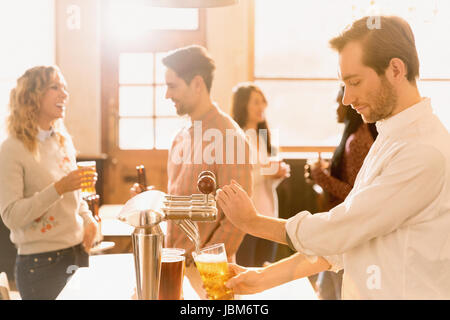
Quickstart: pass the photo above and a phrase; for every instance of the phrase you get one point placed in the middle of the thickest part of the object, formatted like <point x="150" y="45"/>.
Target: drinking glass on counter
<point x="93" y="202"/>
<point x="172" y="274"/>
<point x="87" y="188"/>
<point x="212" y="265"/>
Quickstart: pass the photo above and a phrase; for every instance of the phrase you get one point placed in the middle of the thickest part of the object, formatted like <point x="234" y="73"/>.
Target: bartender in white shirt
<point x="391" y="235"/>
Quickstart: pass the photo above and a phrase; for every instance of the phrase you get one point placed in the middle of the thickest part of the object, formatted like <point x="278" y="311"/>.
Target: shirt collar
<point x="45" y="134"/>
<point x="405" y="118"/>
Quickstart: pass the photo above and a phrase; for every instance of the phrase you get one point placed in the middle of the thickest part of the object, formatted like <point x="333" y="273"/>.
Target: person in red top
<point x="346" y="162"/>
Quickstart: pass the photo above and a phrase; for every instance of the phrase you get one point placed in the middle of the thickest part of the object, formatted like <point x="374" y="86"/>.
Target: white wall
<point x="227" y="39"/>
<point x="27" y="35"/>
<point x="78" y="56"/>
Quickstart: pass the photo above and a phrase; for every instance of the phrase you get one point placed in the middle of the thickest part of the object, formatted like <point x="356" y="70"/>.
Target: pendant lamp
<point x="192" y="3"/>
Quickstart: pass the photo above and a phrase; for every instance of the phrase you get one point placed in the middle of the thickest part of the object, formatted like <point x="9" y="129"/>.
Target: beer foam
<point x="169" y="258"/>
<point x="210" y="258"/>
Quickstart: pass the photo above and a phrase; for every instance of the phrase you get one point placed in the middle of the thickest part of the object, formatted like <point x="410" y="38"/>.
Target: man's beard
<point x="384" y="102"/>
<point x="183" y="109"/>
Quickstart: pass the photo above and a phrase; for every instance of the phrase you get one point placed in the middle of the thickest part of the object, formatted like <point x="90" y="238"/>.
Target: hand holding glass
<point x="87" y="186"/>
<point x="212" y="265"/>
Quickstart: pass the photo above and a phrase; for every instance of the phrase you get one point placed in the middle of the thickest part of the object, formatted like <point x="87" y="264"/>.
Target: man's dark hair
<point x="190" y="61"/>
<point x="393" y="38"/>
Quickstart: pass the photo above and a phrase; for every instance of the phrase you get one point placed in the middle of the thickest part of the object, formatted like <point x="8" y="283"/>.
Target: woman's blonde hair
<point x="24" y="105"/>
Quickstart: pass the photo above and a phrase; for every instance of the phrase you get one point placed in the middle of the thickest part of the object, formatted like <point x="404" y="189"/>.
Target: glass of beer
<point x="87" y="187"/>
<point x="212" y="265"/>
<point x="93" y="202"/>
<point x="172" y="274"/>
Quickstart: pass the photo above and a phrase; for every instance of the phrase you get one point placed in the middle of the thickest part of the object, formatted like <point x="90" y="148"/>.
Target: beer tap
<point x="206" y="184"/>
<point x="191" y="230"/>
<point x="146" y="210"/>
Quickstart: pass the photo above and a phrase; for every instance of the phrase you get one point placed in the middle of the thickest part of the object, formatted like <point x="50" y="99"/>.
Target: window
<point x="138" y="123"/>
<point x="147" y="120"/>
<point x="298" y="72"/>
<point x="27" y="40"/>
<point x="131" y="18"/>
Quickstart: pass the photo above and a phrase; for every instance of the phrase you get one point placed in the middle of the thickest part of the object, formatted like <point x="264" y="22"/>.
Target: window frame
<point x="172" y="39"/>
<point x="252" y="77"/>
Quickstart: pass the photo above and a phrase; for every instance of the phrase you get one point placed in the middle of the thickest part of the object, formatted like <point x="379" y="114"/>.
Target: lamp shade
<point x="192" y="3"/>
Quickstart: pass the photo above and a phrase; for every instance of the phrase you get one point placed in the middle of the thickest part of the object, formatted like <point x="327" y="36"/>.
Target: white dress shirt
<point x="392" y="233"/>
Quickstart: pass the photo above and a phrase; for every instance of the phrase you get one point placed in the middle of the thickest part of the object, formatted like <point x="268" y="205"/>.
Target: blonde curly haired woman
<point x="40" y="199"/>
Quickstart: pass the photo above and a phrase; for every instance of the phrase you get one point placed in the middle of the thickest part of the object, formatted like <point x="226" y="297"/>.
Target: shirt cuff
<point x="336" y="262"/>
<point x="87" y="217"/>
<point x="85" y="212"/>
<point x="292" y="236"/>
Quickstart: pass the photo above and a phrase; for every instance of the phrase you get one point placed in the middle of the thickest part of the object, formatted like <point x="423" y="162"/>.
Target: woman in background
<point x="40" y="200"/>
<point x="248" y="110"/>
<point x="346" y="162"/>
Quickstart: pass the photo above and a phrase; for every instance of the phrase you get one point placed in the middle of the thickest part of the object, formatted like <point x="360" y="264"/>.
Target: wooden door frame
<point x="110" y="49"/>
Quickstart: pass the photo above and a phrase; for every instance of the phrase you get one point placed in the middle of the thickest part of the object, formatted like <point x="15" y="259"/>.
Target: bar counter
<point x="112" y="277"/>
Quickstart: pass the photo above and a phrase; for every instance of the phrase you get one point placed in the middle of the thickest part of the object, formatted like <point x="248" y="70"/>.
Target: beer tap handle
<point x="206" y="183"/>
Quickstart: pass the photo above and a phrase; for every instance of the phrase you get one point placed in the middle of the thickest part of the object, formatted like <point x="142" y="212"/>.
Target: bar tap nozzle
<point x="146" y="210"/>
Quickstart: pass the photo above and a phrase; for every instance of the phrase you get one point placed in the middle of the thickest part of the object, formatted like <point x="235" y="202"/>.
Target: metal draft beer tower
<point x="148" y="238"/>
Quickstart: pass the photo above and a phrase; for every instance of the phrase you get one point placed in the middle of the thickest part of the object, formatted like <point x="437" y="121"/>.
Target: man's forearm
<point x="269" y="228"/>
<point x="275" y="229"/>
<point x="291" y="268"/>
